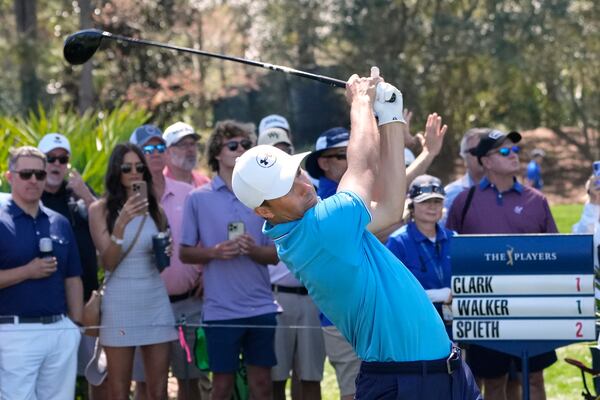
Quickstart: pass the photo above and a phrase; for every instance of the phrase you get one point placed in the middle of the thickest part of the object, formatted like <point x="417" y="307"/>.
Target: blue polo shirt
<point x="19" y="244"/>
<point x="429" y="262"/>
<point x="375" y="302"/>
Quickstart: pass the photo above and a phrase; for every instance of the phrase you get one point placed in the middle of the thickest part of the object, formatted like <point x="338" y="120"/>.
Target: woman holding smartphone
<point x="135" y="307"/>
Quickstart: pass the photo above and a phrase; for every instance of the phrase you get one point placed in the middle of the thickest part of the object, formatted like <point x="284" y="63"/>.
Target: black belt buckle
<point x="453" y="360"/>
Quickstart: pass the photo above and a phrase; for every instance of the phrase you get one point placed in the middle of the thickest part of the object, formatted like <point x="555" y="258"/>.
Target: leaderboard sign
<point x="523" y="288"/>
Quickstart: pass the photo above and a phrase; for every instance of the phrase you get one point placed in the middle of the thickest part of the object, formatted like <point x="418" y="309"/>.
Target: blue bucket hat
<point x="330" y="139"/>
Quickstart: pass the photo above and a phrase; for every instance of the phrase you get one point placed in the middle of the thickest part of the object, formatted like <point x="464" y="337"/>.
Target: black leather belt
<point x="46" y="319"/>
<point x="445" y="365"/>
<point x="290" y="289"/>
<point x="179" y="297"/>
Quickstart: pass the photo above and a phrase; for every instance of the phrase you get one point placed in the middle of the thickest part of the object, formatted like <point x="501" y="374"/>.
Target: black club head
<point x="81" y="46"/>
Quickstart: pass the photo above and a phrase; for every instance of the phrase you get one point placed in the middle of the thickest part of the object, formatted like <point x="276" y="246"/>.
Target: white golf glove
<point x="388" y="105"/>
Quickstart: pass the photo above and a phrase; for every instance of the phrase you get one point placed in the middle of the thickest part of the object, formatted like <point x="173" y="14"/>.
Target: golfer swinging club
<point x="370" y="296"/>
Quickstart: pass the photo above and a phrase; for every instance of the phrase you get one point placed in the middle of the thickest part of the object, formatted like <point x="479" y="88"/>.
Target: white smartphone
<point x="235" y="229"/>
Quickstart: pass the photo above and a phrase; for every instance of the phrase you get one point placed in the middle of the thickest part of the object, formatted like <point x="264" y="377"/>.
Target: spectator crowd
<point x="225" y="283"/>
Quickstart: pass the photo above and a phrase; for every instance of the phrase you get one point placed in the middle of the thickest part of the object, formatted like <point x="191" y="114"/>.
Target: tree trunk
<point x="26" y="21"/>
<point x="86" y="86"/>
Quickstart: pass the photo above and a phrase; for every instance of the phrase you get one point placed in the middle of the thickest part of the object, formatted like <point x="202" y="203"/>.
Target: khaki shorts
<point x="298" y="349"/>
<point x="192" y="308"/>
<point x="343" y="359"/>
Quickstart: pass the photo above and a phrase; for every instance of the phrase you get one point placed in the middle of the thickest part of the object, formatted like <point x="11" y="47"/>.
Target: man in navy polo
<point x="370" y="296"/>
<point x="38" y="342"/>
<point x="500" y="204"/>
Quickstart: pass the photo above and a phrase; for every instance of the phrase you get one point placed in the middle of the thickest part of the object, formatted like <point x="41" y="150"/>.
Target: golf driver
<point x="81" y="46"/>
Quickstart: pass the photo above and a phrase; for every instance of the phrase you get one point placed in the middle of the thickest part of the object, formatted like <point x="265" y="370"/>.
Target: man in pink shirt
<point x="183" y="281"/>
<point x="182" y="154"/>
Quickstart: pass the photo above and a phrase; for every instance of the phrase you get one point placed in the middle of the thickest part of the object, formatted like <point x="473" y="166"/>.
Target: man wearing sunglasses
<point x="183" y="281"/>
<point x="237" y="289"/>
<point x="501" y="204"/>
<point x="182" y="154"/>
<point x="66" y="193"/>
<point x="41" y="296"/>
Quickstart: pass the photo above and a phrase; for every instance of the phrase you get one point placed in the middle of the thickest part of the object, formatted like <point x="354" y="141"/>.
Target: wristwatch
<point x="116" y="240"/>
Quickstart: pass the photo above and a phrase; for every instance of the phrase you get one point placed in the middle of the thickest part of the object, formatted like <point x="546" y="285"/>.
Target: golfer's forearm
<point x="391" y="180"/>
<point x="363" y="148"/>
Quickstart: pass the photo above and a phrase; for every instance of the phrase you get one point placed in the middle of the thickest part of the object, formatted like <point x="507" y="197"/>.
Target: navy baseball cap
<point x="330" y="139"/>
<point x="142" y="135"/>
<point x="490" y="140"/>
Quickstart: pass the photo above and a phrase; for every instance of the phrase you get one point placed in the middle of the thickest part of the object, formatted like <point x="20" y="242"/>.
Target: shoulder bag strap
<point x="467" y="205"/>
<point x="137" y="235"/>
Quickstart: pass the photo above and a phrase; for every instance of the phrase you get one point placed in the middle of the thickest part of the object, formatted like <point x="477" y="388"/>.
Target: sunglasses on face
<point x="61" y="159"/>
<point x="505" y="151"/>
<point x="419" y="190"/>
<point x="127" y="168"/>
<point x="26" y="174"/>
<point x="189" y="144"/>
<point x="233" y="145"/>
<point x="340" y="156"/>
<point x="149" y="149"/>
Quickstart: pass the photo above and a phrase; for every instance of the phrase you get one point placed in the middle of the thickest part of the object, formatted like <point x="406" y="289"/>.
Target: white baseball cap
<point x="273" y="121"/>
<point x="53" y="141"/>
<point x="264" y="173"/>
<point x="178" y="131"/>
<point x="273" y="136"/>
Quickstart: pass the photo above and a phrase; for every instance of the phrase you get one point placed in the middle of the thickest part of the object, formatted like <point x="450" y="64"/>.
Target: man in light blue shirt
<point x="370" y="296"/>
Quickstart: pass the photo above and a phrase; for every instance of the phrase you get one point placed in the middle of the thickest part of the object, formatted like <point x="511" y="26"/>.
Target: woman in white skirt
<point x="135" y="307"/>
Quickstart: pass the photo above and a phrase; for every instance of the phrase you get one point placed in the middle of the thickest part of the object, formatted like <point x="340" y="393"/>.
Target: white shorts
<point x="38" y="361"/>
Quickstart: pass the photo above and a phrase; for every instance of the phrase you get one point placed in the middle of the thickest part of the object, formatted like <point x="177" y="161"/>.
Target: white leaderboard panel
<point x="524" y="329"/>
<point x="473" y="285"/>
<point x="485" y="307"/>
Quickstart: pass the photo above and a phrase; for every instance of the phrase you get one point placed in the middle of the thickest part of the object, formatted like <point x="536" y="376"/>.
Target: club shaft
<point x="321" y="78"/>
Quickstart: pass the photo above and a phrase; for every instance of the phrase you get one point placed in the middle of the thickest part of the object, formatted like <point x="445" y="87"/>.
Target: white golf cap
<point x="178" y="131"/>
<point x="273" y="121"/>
<point x="53" y="141"/>
<point x="264" y="173"/>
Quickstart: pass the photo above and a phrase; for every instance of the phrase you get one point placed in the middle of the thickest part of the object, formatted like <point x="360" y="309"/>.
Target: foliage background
<point x="513" y="64"/>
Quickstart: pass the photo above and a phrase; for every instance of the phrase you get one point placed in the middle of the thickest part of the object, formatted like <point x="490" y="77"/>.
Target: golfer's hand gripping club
<point x="388" y="105"/>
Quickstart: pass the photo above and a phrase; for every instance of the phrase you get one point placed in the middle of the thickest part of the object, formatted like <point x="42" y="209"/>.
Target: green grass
<point x="563" y="381"/>
<point x="566" y="215"/>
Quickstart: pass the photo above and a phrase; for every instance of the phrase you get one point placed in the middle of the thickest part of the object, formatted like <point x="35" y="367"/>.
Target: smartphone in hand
<point x="140" y="188"/>
<point x="235" y="229"/>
